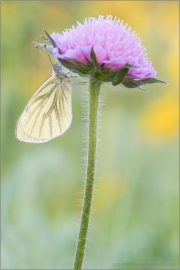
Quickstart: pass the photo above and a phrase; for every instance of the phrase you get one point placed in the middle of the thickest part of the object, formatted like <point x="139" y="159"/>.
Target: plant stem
<point x="94" y="89"/>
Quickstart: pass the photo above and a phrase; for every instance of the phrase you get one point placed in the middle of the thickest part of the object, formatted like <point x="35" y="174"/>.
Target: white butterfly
<point x="48" y="114"/>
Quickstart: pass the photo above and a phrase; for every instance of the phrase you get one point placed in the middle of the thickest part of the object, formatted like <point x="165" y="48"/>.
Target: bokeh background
<point x="134" y="222"/>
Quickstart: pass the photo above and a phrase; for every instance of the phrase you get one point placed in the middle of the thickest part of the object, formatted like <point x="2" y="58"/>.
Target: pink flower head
<point x="113" y="43"/>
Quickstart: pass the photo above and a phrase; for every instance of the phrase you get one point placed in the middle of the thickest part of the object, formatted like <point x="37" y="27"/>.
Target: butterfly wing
<point x="48" y="113"/>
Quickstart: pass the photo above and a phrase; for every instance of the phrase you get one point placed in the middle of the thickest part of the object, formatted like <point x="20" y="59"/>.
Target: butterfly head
<point x="57" y="69"/>
<point x="60" y="73"/>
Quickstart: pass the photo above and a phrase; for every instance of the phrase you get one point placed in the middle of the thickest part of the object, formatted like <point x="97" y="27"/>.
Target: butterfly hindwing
<point x="48" y="113"/>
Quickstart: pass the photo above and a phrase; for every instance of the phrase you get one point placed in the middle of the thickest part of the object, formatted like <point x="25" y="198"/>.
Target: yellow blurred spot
<point x="172" y="60"/>
<point x="160" y="120"/>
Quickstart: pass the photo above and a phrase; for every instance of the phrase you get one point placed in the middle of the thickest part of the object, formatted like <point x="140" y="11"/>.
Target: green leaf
<point x="119" y="76"/>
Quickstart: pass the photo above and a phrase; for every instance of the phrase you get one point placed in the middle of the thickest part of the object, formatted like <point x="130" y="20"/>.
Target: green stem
<point x="94" y="89"/>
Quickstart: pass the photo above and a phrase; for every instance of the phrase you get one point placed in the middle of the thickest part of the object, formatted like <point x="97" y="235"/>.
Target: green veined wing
<point x="48" y="113"/>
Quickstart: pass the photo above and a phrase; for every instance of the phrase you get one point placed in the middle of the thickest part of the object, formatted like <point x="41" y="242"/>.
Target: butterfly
<point x="48" y="114"/>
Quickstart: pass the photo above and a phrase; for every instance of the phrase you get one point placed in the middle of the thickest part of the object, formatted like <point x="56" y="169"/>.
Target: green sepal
<point x="107" y="71"/>
<point x="131" y="83"/>
<point x="105" y="74"/>
<point x="96" y="65"/>
<point x="51" y="40"/>
<point x="103" y="77"/>
<point x="152" y="80"/>
<point x="75" y="65"/>
<point x="130" y="66"/>
<point x="88" y="62"/>
<point x="101" y="73"/>
<point x="119" y="76"/>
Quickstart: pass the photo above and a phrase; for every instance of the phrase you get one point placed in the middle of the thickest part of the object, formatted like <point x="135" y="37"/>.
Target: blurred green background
<point x="134" y="222"/>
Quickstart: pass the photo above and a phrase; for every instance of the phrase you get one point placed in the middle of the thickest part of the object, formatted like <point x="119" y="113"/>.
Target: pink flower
<point x="112" y="41"/>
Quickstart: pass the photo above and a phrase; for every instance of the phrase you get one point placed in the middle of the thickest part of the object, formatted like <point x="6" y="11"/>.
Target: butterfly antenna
<point x="38" y="48"/>
<point x="47" y="39"/>
<point x="49" y="56"/>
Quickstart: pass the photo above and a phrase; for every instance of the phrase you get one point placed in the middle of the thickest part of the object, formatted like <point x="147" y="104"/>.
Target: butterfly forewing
<point x="48" y="113"/>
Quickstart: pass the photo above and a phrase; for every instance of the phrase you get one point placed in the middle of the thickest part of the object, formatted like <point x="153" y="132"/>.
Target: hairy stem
<point x="94" y="89"/>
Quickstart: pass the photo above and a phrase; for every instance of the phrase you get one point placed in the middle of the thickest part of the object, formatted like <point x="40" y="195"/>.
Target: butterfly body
<point x="48" y="113"/>
<point x="60" y="74"/>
